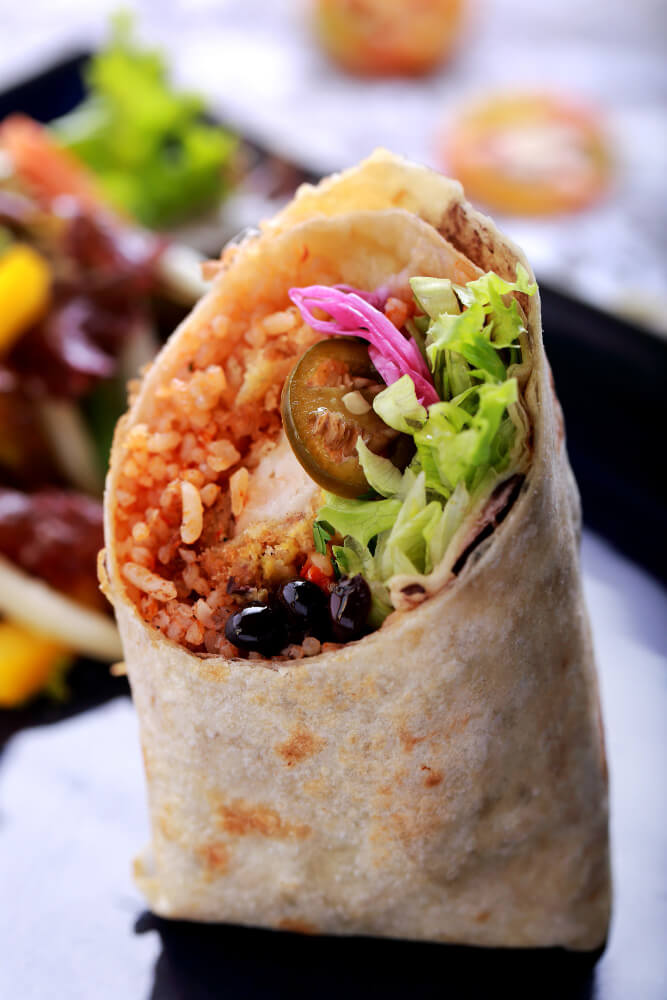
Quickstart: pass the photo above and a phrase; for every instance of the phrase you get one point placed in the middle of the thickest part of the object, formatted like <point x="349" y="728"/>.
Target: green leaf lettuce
<point x="462" y="443"/>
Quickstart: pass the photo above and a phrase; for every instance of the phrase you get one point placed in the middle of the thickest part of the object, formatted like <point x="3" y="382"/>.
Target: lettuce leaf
<point x="381" y="474"/>
<point x="415" y="544"/>
<point x="465" y="335"/>
<point x="440" y="532"/>
<point x="435" y="296"/>
<point x="399" y="407"/>
<point x="456" y="442"/>
<point x="361" y="519"/>
<point x="487" y="292"/>
<point x="463" y="442"/>
<point x="156" y="156"/>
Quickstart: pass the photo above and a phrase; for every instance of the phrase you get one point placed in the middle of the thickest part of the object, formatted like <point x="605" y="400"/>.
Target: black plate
<point x="611" y="379"/>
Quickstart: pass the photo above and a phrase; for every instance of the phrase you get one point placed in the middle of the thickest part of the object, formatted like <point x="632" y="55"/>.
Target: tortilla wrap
<point x="442" y="778"/>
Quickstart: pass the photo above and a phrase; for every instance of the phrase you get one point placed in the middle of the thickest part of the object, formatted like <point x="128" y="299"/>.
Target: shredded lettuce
<point x="399" y="407"/>
<point x="463" y="441"/>
<point x="361" y="519"/>
<point x="440" y="533"/>
<point x="463" y="335"/>
<point x="381" y="474"/>
<point x="435" y="296"/>
<point x="415" y="542"/>
<point x="322" y="533"/>
<point x="156" y="156"/>
<point x="455" y="443"/>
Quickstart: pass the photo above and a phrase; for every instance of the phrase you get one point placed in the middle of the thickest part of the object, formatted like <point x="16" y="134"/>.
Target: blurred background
<point x="261" y="69"/>
<point x="194" y="120"/>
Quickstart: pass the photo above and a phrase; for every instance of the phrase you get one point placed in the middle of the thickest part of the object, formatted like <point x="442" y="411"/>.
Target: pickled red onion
<point x="391" y="353"/>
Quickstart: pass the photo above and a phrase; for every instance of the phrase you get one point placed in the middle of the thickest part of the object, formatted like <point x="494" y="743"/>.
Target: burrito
<point x="342" y="546"/>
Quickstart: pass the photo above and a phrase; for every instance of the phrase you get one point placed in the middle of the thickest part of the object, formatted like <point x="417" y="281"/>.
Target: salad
<point x="156" y="156"/>
<point x="159" y="157"/>
<point x="82" y="294"/>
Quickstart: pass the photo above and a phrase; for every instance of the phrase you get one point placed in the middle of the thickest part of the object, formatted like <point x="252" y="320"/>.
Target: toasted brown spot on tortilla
<point x="344" y="694"/>
<point x="473" y="239"/>
<point x="411" y="826"/>
<point x="399" y="776"/>
<point x="213" y="670"/>
<point x="433" y="777"/>
<point x="317" y="789"/>
<point x="458" y="725"/>
<point x="297" y="926"/>
<point x="301" y="745"/>
<point x="243" y="818"/>
<point x="482" y="916"/>
<point x="214" y="857"/>
<point x="408" y="741"/>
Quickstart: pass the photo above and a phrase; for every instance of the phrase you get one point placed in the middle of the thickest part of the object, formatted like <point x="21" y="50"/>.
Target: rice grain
<point x="238" y="488"/>
<point x="149" y="582"/>
<point x="192" y="519"/>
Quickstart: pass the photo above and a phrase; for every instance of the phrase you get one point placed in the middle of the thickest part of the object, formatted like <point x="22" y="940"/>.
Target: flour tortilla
<point x="443" y="778"/>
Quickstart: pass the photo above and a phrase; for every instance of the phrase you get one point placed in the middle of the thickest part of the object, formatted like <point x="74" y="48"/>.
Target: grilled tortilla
<point x="442" y="778"/>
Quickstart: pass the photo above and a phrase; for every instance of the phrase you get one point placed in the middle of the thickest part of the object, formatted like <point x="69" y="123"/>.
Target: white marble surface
<point x="256" y="62"/>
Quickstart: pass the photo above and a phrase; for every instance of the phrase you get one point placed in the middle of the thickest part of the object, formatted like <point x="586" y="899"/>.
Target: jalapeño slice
<point x="327" y="403"/>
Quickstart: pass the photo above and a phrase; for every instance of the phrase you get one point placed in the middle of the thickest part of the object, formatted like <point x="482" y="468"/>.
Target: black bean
<point x="306" y="609"/>
<point x="349" y="605"/>
<point x="257" y="628"/>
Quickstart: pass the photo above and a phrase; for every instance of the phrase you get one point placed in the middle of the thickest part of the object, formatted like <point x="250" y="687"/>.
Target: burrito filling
<point x="265" y="525"/>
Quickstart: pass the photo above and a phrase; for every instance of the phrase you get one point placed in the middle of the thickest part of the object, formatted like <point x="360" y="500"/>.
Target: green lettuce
<point x="414" y="544"/>
<point x="455" y="444"/>
<point x="361" y="519"/>
<point x="462" y="443"/>
<point x="463" y="335"/>
<point x="155" y="154"/>
<point x="399" y="407"/>
<point x="506" y="322"/>
<point x="435" y="296"/>
<point x="381" y="474"/>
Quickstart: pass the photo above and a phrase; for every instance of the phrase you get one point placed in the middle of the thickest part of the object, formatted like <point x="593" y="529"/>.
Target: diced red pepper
<point x="318" y="569"/>
<point x="397" y="311"/>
